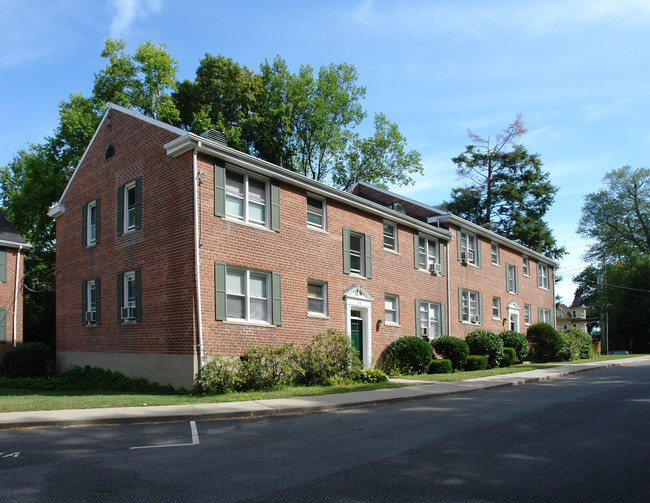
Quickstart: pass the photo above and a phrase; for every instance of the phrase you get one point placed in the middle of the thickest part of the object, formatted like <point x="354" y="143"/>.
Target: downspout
<point x="448" y="292"/>
<point x="14" y="331"/>
<point x="197" y="245"/>
<point x="554" y="309"/>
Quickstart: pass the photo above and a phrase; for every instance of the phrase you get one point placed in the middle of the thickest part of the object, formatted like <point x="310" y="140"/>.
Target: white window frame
<point x="246" y="200"/>
<point x="526" y="266"/>
<point x="470" y="307"/>
<point x="360" y="254"/>
<point x="544" y="315"/>
<point x="322" y="298"/>
<point x="130" y="210"/>
<point x="468" y="244"/>
<point x="426" y="260"/>
<point x="91" y="299"/>
<point x="393" y="236"/>
<point x="496" y="308"/>
<point x="91" y="223"/>
<point x="494" y="253"/>
<point x="246" y="295"/>
<point x="544" y="280"/>
<point x="511" y="278"/>
<point x="129" y="289"/>
<point x="431" y="318"/>
<point x="322" y="214"/>
<point x="391" y="305"/>
<point x="526" y="314"/>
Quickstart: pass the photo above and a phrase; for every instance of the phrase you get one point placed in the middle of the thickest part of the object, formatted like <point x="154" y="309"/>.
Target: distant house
<point x="173" y="246"/>
<point x="12" y="249"/>
<point x="573" y="316"/>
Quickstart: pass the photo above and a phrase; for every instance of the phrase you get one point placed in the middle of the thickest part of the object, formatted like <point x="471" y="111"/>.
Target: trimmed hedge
<point x="452" y="348"/>
<point x="440" y="367"/>
<point x="545" y="342"/>
<point x="580" y="340"/>
<point x="26" y="360"/>
<point x="512" y="339"/>
<point x="476" y="362"/>
<point x="484" y="342"/>
<point x="509" y="357"/>
<point x="407" y="356"/>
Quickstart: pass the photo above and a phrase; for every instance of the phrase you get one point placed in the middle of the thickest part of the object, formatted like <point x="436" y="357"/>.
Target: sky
<point x="577" y="69"/>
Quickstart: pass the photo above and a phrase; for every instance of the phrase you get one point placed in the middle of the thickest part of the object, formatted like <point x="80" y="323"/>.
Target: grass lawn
<point x="25" y="400"/>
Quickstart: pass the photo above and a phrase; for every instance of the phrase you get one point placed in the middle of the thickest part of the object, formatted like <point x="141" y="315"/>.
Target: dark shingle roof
<point x="8" y="235"/>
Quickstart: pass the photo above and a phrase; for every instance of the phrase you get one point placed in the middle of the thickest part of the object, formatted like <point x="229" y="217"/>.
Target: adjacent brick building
<point x="173" y="246"/>
<point x="12" y="252"/>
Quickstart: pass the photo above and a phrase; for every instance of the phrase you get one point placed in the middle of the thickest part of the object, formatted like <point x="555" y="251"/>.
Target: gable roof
<point x="8" y="235"/>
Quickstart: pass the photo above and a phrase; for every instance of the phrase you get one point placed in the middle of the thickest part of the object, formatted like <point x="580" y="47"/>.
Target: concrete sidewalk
<point x="277" y="406"/>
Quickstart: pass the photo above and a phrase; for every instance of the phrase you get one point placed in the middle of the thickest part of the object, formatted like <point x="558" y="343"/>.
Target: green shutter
<point x="138" y="296"/>
<point x="480" y="308"/>
<point x="97" y="217"/>
<point x="416" y="253"/>
<point x="84" y="301"/>
<point x="138" y="203"/>
<point x="220" y="188"/>
<point x="479" y="258"/>
<point x="276" y="311"/>
<point x="220" y="291"/>
<point x="120" y="295"/>
<point x="3" y="265"/>
<point x="346" y="250"/>
<point x="441" y="256"/>
<point x="97" y="302"/>
<point x="417" y="317"/>
<point x="120" y="210"/>
<point x="516" y="271"/>
<point x="507" y="271"/>
<point x="275" y="205"/>
<point x="443" y="319"/>
<point x="458" y="245"/>
<point x="3" y="326"/>
<point x="368" y="250"/>
<point x="84" y="225"/>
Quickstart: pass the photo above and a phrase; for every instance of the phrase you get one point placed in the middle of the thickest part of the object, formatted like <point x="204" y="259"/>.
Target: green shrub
<point x="268" y="367"/>
<point x="512" y="339"/>
<point x="484" y="342"/>
<point x="545" y="342"/>
<point x="220" y="374"/>
<point x="26" y="360"/>
<point x="328" y="354"/>
<point x="371" y="376"/>
<point x="476" y="362"/>
<point x="509" y="357"/>
<point x="451" y="348"/>
<point x="98" y="379"/>
<point x="582" y="341"/>
<point x="441" y="367"/>
<point x="407" y="356"/>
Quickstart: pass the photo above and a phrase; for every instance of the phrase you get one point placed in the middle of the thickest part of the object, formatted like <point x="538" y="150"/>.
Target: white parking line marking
<point x="195" y="440"/>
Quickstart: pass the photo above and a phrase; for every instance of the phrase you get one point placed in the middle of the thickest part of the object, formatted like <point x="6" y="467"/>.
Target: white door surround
<point x="358" y="299"/>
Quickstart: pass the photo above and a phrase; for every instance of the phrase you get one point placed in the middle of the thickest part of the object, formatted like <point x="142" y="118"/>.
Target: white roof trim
<point x="14" y="244"/>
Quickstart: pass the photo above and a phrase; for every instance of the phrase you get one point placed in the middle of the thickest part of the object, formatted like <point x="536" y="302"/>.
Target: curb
<point x="285" y="406"/>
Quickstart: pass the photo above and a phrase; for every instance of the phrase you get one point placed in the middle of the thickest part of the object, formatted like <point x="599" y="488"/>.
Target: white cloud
<point x="128" y="11"/>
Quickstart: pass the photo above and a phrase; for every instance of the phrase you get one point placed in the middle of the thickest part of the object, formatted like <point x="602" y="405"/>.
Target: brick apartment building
<point x="12" y="252"/>
<point x="173" y="246"/>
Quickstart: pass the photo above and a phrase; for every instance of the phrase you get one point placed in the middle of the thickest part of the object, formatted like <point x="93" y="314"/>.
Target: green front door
<point x="356" y="331"/>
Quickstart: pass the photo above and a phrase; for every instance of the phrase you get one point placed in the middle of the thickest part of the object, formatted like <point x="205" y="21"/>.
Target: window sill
<point x="318" y="315"/>
<point x="393" y="325"/>
<point x="394" y="252"/>
<point x="248" y="323"/>
<point x="357" y="275"/>
<point x="247" y="224"/>
<point x="317" y="229"/>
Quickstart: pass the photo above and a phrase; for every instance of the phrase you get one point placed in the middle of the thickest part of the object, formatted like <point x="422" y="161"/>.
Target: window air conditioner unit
<point x="128" y="313"/>
<point x="463" y="257"/>
<point x="434" y="269"/>
<point x="90" y="317"/>
<point x="474" y="318"/>
<point x="424" y="332"/>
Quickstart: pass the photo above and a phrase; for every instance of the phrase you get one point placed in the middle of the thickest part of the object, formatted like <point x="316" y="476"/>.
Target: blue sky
<point x="577" y="69"/>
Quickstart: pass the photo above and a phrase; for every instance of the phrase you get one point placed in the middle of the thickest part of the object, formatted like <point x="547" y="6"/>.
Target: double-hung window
<point x="317" y="298"/>
<point x="247" y="295"/>
<point x="431" y="316"/>
<point x="357" y="253"/>
<point x="526" y="266"/>
<point x="543" y="276"/>
<point x="90" y="312"/>
<point x="496" y="308"/>
<point x="470" y="306"/>
<point x="90" y="223"/>
<point x="129" y="298"/>
<point x="316" y="214"/>
<point x="469" y="248"/>
<point x="512" y="279"/>
<point x="129" y="206"/>
<point x="494" y="253"/>
<point x="390" y="236"/>
<point x="427" y="254"/>
<point x="544" y="315"/>
<point x="391" y="309"/>
<point x="246" y="198"/>
<point x="527" y="314"/>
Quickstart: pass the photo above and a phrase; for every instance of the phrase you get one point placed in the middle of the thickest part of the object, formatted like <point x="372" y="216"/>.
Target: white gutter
<point x="196" y="254"/>
<point x="15" y="334"/>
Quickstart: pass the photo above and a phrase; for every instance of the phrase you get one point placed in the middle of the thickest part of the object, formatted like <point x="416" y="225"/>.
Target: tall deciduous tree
<point x="618" y="216"/>
<point x="508" y="192"/>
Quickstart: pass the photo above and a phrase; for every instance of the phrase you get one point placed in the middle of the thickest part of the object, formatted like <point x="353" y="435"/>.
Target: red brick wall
<point x="490" y="280"/>
<point x="7" y="292"/>
<point x="162" y="248"/>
